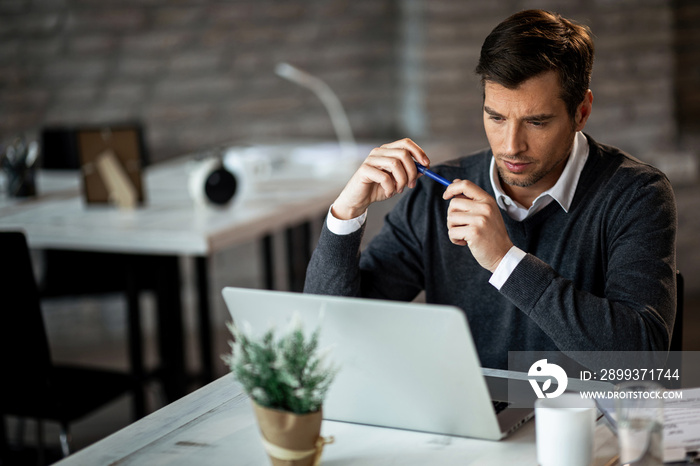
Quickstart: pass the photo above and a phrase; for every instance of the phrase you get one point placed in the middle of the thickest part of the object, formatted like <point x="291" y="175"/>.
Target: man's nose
<point x="514" y="142"/>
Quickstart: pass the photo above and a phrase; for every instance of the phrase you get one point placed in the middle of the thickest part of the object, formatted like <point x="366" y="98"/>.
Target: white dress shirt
<point x="562" y="192"/>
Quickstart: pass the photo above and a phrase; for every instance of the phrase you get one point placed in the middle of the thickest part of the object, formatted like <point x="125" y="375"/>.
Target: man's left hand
<point x="474" y="220"/>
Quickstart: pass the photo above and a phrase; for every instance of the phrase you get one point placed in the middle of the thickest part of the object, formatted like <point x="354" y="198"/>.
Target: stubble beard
<point x="531" y="179"/>
<point x="513" y="180"/>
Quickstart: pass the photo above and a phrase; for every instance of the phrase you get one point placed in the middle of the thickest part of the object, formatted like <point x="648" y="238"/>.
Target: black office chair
<point x="677" y="335"/>
<point x="32" y="386"/>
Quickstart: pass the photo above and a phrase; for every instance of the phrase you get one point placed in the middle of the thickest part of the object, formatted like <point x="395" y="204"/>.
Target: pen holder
<point x="21" y="181"/>
<point x="18" y="161"/>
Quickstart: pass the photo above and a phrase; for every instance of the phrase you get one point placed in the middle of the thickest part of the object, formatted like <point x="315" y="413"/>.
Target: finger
<point x="383" y="178"/>
<point x="467" y="189"/>
<point x="388" y="159"/>
<point x="477" y="215"/>
<point x="461" y="204"/>
<point x="474" y="223"/>
<point x="457" y="219"/>
<point x="403" y="154"/>
<point x="454" y="189"/>
<point x="457" y="236"/>
<point x="465" y="233"/>
<point x="414" y="149"/>
<point x="394" y="166"/>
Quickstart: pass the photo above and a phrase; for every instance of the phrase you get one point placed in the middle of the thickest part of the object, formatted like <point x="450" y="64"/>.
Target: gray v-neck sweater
<point x="598" y="278"/>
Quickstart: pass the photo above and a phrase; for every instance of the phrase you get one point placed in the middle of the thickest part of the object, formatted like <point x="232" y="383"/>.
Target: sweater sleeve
<point x="389" y="268"/>
<point x="637" y="309"/>
<point x="334" y="266"/>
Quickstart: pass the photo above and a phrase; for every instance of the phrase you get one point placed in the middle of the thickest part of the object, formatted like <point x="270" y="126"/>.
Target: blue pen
<point x="432" y="175"/>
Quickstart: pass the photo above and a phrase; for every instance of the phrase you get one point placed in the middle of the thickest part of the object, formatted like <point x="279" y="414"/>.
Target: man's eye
<point x="496" y="119"/>
<point x="537" y="123"/>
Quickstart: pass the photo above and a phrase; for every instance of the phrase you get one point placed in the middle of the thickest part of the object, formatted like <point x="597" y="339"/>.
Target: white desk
<point x="169" y="223"/>
<point x="215" y="426"/>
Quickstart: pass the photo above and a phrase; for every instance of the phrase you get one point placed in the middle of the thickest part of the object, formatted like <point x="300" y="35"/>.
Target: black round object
<point x="220" y="186"/>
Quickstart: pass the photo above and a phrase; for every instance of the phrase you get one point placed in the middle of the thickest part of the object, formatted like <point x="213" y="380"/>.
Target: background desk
<point x="167" y="228"/>
<point x="215" y="426"/>
<point x="170" y="226"/>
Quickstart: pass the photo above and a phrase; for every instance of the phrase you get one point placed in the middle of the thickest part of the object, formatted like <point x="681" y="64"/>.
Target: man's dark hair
<point x="533" y="42"/>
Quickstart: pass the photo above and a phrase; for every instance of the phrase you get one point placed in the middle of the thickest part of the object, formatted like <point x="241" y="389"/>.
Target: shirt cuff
<point x="344" y="227"/>
<point x="506" y="267"/>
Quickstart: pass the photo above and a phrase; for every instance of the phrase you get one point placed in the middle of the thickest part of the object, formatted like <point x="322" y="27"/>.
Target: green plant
<point x="285" y="372"/>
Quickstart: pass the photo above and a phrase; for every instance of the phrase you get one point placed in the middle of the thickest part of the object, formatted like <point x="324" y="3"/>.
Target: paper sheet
<point x="681" y="423"/>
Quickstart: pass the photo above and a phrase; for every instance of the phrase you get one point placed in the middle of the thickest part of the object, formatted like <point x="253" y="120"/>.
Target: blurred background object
<point x="328" y="98"/>
<point x="18" y="160"/>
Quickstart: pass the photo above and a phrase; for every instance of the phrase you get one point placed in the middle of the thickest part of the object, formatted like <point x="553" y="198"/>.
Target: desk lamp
<point x="330" y="100"/>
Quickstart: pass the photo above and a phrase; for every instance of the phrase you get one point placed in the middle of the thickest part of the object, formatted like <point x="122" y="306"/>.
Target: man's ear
<point x="584" y="110"/>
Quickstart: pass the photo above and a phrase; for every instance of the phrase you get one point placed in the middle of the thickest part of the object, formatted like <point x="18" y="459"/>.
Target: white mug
<point x="564" y="428"/>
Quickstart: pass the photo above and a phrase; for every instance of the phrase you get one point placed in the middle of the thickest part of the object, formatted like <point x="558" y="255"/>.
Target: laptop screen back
<point x="403" y="365"/>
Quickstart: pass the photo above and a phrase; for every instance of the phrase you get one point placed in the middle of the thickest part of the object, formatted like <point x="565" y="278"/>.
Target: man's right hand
<point x="385" y="172"/>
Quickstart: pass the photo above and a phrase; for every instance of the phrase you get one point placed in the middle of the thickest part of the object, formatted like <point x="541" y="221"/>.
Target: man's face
<point x="530" y="132"/>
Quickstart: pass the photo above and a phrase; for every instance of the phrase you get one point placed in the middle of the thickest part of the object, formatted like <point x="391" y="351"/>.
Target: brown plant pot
<point x="288" y="435"/>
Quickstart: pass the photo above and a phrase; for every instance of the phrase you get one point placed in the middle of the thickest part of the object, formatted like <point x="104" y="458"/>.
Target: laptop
<point x="402" y="365"/>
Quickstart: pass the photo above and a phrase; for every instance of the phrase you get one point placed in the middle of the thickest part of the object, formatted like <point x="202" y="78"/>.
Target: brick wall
<point x="200" y="73"/>
<point x="687" y="75"/>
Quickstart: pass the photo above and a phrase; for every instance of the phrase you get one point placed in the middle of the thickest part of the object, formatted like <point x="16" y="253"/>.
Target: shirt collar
<point x="562" y="191"/>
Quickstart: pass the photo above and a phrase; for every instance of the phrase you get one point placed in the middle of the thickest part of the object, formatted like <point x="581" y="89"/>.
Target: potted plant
<point x="286" y="378"/>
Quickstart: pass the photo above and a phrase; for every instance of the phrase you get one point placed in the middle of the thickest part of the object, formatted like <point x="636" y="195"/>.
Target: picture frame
<point x="111" y="159"/>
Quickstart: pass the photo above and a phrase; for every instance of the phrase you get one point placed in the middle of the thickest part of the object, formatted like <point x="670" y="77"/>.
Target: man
<point x="547" y="241"/>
